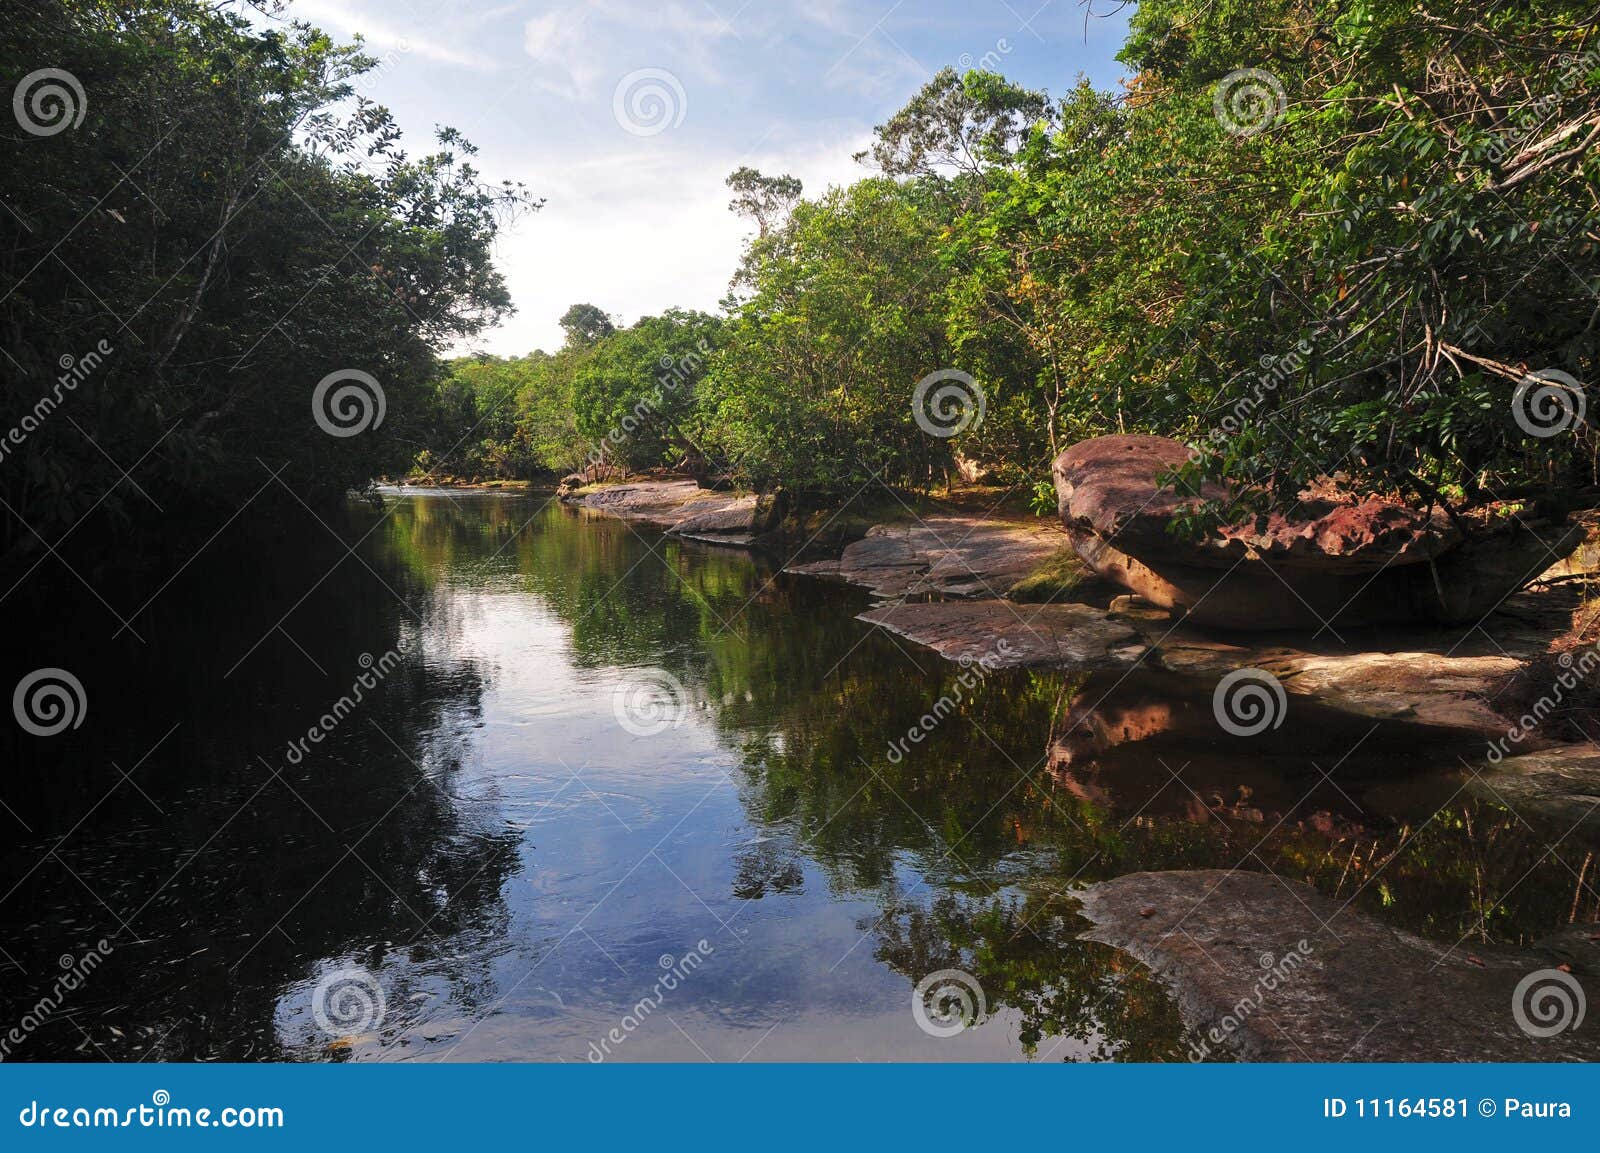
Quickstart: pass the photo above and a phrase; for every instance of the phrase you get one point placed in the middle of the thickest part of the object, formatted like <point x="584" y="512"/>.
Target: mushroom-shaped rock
<point x="1321" y="563"/>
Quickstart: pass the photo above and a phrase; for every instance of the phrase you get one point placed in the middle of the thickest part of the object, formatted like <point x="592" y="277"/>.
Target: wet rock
<point x="1423" y="678"/>
<point x="946" y="554"/>
<point x="1001" y="635"/>
<point x="1350" y="562"/>
<point x="684" y="508"/>
<point x="657" y="502"/>
<point x="1557" y="789"/>
<point x="1271" y="970"/>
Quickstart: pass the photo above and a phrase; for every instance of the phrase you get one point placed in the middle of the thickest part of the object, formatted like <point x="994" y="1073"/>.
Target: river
<point x="480" y="776"/>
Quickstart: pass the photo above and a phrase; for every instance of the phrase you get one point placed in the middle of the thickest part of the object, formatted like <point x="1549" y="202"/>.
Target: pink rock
<point x="1324" y="562"/>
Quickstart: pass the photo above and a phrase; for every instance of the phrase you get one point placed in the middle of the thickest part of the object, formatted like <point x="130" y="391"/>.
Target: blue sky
<point x="637" y="220"/>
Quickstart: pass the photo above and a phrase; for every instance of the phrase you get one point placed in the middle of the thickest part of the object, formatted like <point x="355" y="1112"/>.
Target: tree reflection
<point x="225" y="865"/>
<point x="1025" y="953"/>
<point x="258" y="874"/>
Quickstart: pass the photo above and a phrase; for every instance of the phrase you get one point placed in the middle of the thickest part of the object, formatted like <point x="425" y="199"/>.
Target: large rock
<point x="948" y="554"/>
<point x="685" y="509"/>
<point x="1268" y="969"/>
<point x="654" y="502"/>
<point x="997" y="634"/>
<point x="1324" y="563"/>
<point x="1416" y="675"/>
<point x="1557" y="789"/>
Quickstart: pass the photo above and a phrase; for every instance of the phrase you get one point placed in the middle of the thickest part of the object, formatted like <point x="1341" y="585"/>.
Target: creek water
<point x="481" y="776"/>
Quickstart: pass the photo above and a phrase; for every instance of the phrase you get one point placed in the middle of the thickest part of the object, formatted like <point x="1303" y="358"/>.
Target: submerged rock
<point x="948" y="554"/>
<point x="1270" y="970"/>
<point x="1324" y="562"/>
<point x="1001" y="635"/>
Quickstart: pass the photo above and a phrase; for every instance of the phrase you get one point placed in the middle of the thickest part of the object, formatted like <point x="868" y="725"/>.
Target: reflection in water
<point x="513" y="871"/>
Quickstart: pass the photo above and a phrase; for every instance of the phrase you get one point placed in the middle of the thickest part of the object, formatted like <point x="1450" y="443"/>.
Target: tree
<point x="586" y="325"/>
<point x="813" y="387"/>
<point x="636" y="396"/>
<point x="957" y="123"/>
<point x="764" y="199"/>
<point x="228" y="237"/>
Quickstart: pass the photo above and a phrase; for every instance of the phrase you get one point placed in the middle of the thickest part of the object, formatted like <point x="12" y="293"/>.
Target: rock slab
<point x="1003" y="635"/>
<point x="943" y="554"/>
<point x="1230" y="946"/>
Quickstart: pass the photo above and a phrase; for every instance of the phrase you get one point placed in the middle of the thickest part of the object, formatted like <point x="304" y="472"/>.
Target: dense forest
<point x="1311" y="238"/>
<point x="205" y="219"/>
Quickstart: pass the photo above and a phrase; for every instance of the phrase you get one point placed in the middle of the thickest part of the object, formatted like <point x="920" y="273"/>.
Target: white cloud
<point x="424" y="40"/>
<point x="564" y="63"/>
<point x="639" y="230"/>
<point x="578" y="46"/>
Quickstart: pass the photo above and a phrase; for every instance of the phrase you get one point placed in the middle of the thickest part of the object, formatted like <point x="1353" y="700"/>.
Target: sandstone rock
<point x="653" y="502"/>
<point x="716" y="516"/>
<point x="1416" y="676"/>
<point x="1355" y="990"/>
<point x="1557" y="789"/>
<point x="684" y="508"/>
<point x="1001" y="635"/>
<point x="948" y="554"/>
<point x="1325" y="563"/>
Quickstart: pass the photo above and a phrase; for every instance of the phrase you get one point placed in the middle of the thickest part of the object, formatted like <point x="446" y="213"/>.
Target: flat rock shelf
<point x="1271" y="970"/>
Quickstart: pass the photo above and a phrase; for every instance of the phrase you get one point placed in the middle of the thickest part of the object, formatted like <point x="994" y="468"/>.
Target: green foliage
<point x="1408" y="242"/>
<point x="813" y="383"/>
<point x="1053" y="579"/>
<point x="636" y="396"/>
<point x="585" y="325"/>
<point x="1310" y="239"/>
<point x="229" y="224"/>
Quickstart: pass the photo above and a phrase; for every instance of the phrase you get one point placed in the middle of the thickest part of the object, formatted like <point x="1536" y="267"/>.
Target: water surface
<point x="587" y="758"/>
